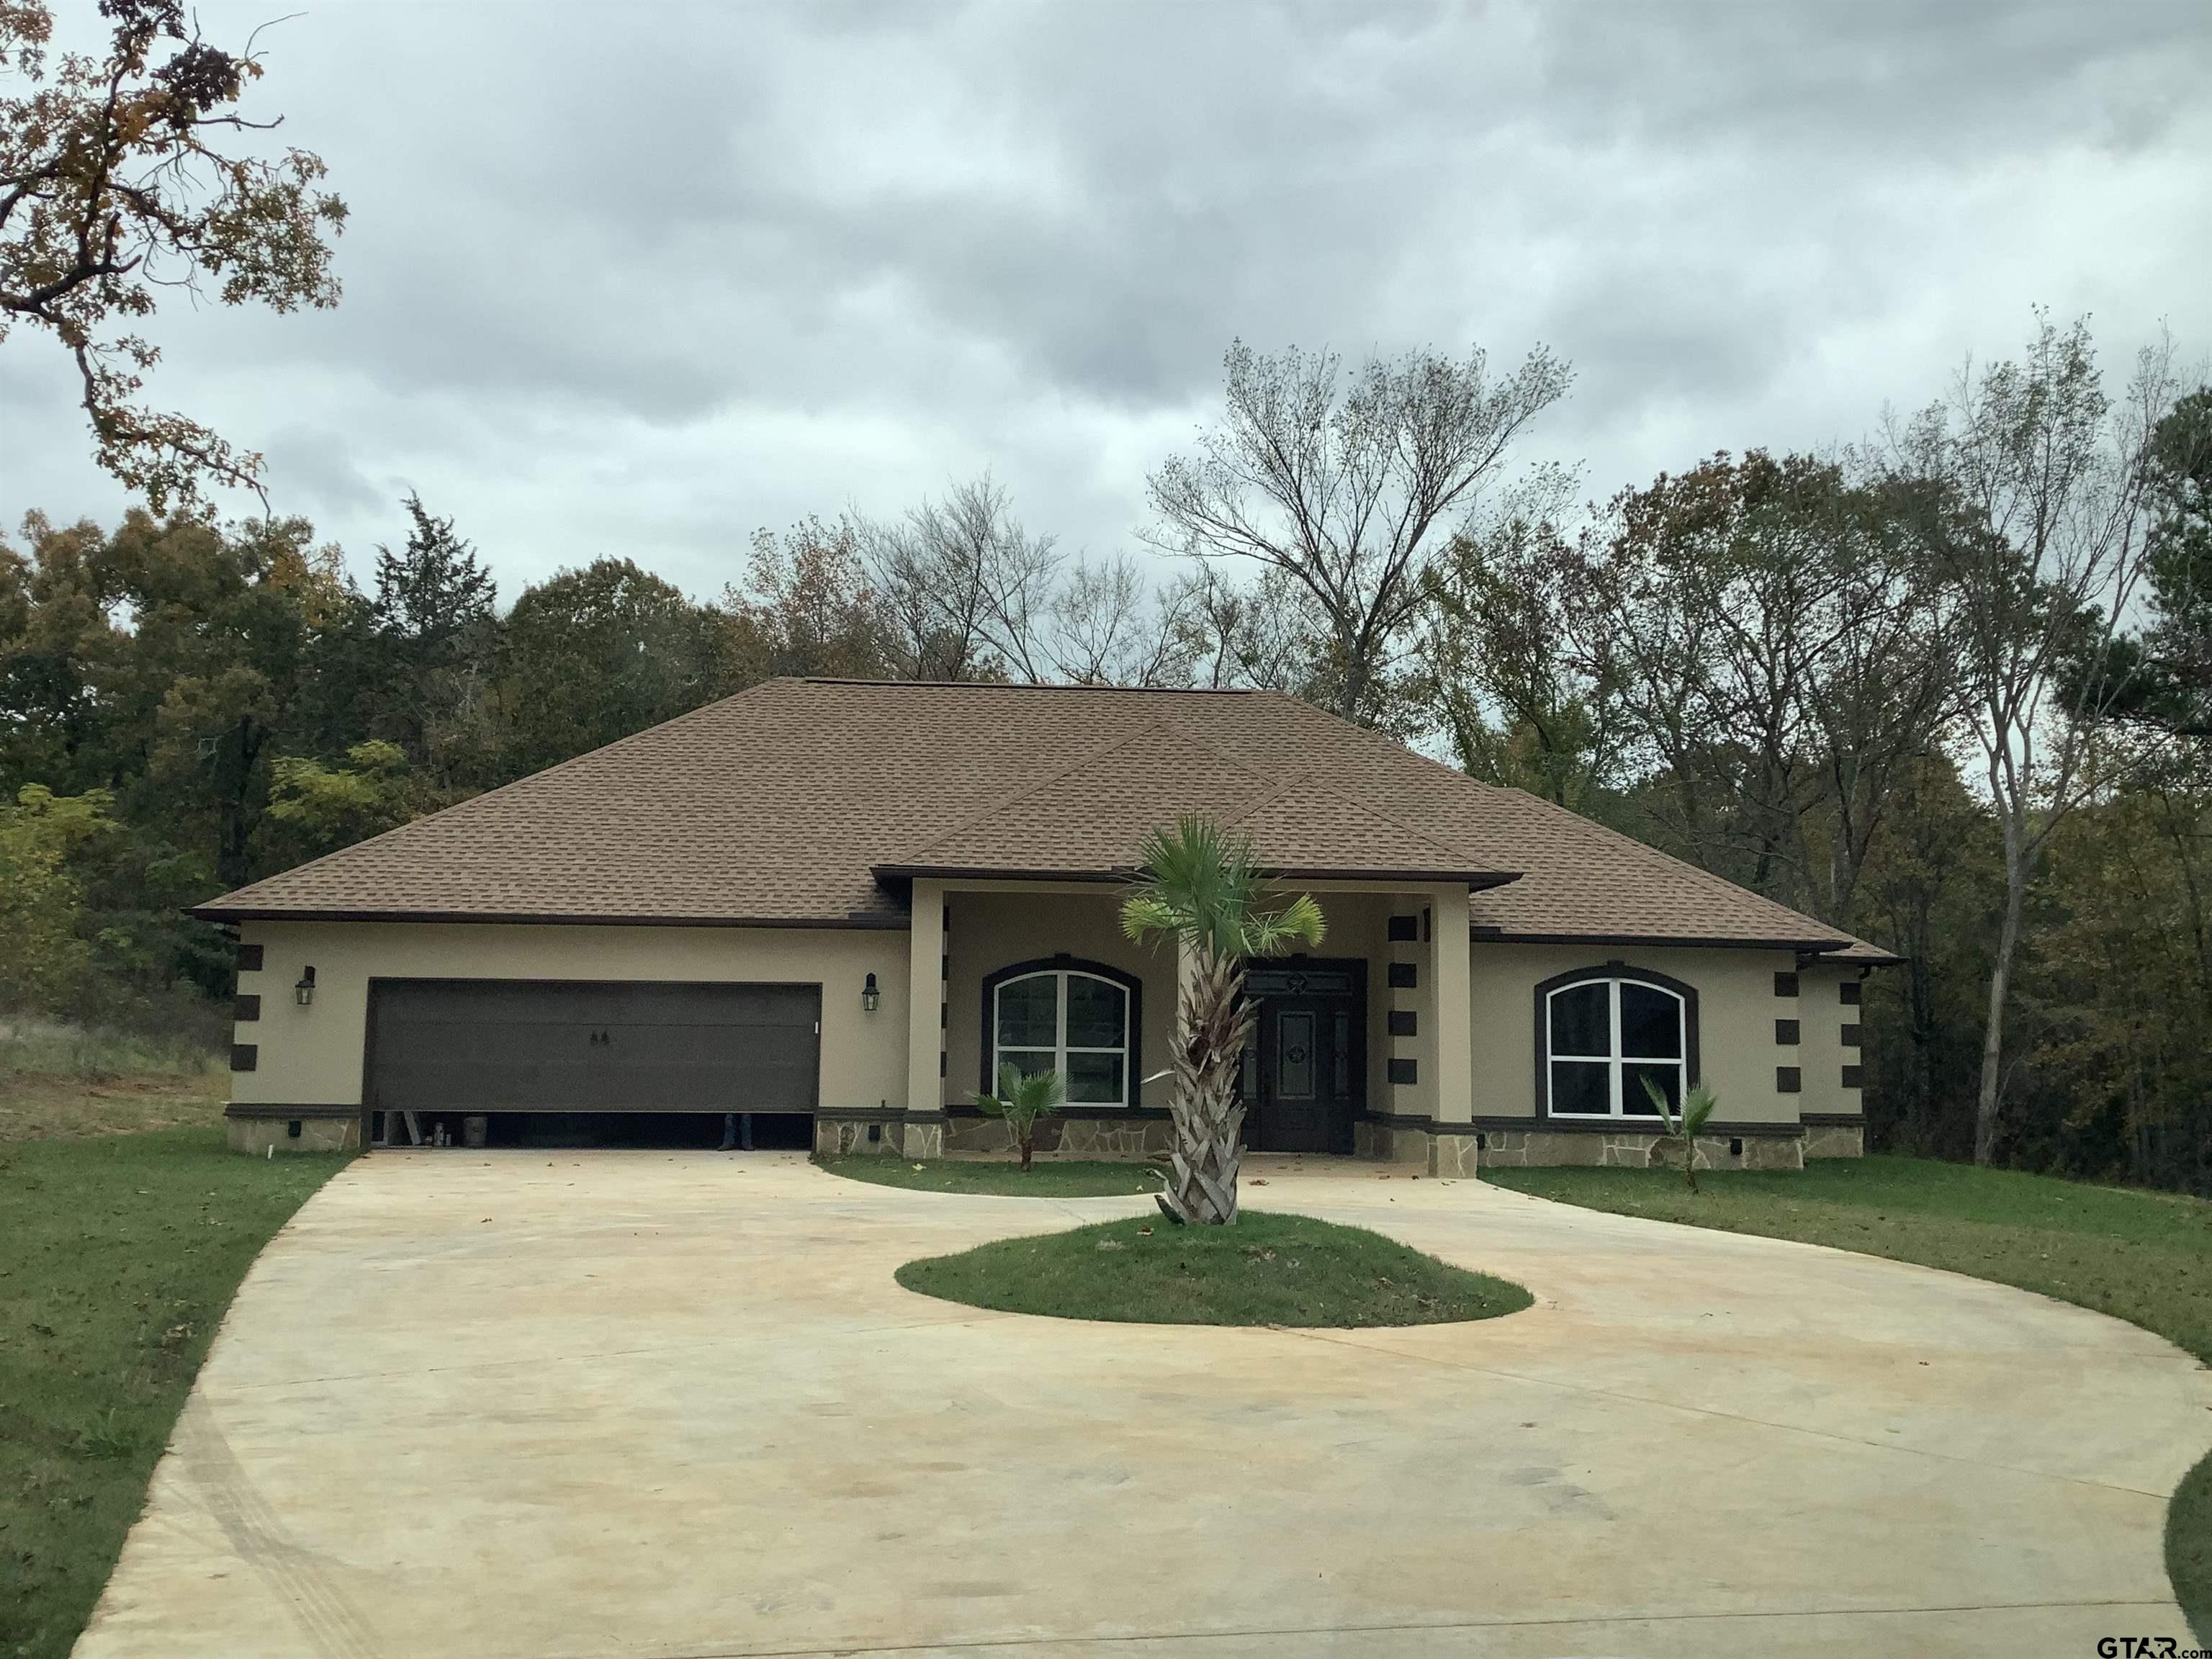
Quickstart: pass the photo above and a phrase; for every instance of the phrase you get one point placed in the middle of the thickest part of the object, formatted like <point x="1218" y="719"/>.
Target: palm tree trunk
<point x="1213" y="1025"/>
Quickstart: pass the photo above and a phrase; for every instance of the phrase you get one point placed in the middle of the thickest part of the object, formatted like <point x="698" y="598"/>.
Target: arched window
<point x="1073" y="1019"/>
<point x="1603" y="1034"/>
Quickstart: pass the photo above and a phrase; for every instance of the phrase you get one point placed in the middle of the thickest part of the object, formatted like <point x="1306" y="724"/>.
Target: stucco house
<point x="837" y="905"/>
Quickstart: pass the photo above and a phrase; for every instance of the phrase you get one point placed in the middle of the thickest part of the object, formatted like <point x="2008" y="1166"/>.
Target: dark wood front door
<point x="1305" y="1072"/>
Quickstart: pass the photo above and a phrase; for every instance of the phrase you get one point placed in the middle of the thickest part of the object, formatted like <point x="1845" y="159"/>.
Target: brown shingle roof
<point x="782" y="804"/>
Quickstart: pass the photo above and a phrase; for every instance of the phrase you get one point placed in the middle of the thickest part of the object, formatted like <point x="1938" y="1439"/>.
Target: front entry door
<point x="1305" y="1072"/>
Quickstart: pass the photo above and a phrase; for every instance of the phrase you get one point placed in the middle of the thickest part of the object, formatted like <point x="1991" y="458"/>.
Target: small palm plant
<point x="1199" y="888"/>
<point x="1696" y="1107"/>
<point x="1023" y="1098"/>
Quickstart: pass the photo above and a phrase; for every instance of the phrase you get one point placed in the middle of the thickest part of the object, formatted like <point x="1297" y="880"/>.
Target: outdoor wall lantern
<point x="871" y="998"/>
<point x="304" y="992"/>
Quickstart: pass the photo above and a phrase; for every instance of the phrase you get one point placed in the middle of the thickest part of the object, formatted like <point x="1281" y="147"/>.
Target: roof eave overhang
<point x="232" y="914"/>
<point x="1475" y="879"/>
<point x="1808" y="947"/>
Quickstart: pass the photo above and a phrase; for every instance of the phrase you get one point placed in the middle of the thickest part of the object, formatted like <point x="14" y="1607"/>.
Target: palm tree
<point x="1199" y="888"/>
<point x="1696" y="1107"/>
<point x="1023" y="1098"/>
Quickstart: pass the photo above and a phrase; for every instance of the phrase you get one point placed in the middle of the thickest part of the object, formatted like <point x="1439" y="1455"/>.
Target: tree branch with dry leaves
<point x="117" y="181"/>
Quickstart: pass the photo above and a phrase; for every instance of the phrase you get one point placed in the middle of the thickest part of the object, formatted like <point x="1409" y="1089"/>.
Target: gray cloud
<point x="636" y="279"/>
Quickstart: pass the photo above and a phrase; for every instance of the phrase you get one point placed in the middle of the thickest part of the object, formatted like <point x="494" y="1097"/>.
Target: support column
<point x="1450" y="971"/>
<point x="925" y="1015"/>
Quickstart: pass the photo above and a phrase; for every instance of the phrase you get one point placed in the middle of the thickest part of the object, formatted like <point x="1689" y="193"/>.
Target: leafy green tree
<point x="46" y="956"/>
<point x="2162" y="678"/>
<point x="435" y="632"/>
<point x="1199" y="889"/>
<point x="315" y="809"/>
<point x="1024" y="1097"/>
<point x="2116" y="996"/>
<point x="222" y="631"/>
<point x="120" y="181"/>
<point x="593" y="655"/>
<point x="63" y="660"/>
<point x="1931" y="891"/>
<point x="1522" y="706"/>
<point x="1773" y="639"/>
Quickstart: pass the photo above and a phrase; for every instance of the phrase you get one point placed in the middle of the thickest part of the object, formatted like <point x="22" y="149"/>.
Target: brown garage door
<point x="573" y="1046"/>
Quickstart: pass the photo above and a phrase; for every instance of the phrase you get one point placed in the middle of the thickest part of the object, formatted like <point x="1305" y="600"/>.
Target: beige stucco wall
<point x="991" y="931"/>
<point x="313" y="1055"/>
<point x="1736" y="1012"/>
<point x="1822" y="1016"/>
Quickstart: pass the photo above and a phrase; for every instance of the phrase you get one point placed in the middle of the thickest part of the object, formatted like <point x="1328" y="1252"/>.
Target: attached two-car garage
<point x="585" y="1062"/>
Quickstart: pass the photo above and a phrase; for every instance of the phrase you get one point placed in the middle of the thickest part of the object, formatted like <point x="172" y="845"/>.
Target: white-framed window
<point x="1604" y="1036"/>
<point x="1064" y="1020"/>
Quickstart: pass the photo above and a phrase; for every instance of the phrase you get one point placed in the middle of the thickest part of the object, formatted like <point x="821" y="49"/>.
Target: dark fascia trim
<point x="1834" y="1120"/>
<point x="964" y="872"/>
<point x="253" y="1110"/>
<point x="1816" y="947"/>
<point x="212" y="913"/>
<point x="1473" y="879"/>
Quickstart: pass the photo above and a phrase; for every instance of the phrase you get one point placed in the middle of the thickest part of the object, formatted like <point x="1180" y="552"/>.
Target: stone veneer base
<point x="255" y="1135"/>
<point x="1437" y="1152"/>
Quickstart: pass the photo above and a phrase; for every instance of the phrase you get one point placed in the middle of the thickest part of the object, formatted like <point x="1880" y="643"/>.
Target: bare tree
<point x="2036" y="518"/>
<point x="1349" y="490"/>
<point x="1112" y="627"/>
<point x="1264" y="635"/>
<point x="967" y="590"/>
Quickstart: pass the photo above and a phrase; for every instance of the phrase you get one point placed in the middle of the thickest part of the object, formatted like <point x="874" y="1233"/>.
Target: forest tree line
<point x="1950" y="688"/>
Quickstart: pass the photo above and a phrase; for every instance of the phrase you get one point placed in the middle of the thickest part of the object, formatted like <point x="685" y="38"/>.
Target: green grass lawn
<point x="1266" y="1270"/>
<point x="1047" y="1178"/>
<point x="120" y="1255"/>
<point x="2144" y="1257"/>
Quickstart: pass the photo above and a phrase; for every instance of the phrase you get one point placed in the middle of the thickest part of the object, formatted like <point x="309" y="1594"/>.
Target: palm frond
<point x="1198" y="882"/>
<point x="1146" y="912"/>
<point x="1300" y="922"/>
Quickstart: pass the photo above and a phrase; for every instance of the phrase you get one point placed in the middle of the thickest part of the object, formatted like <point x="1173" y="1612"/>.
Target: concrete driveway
<point x="643" y="1404"/>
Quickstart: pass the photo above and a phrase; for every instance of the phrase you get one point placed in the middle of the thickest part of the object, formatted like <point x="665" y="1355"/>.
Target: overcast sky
<point x="636" y="279"/>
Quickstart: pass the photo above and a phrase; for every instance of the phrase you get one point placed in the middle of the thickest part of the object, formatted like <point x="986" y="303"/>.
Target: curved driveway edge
<point x="674" y="1406"/>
